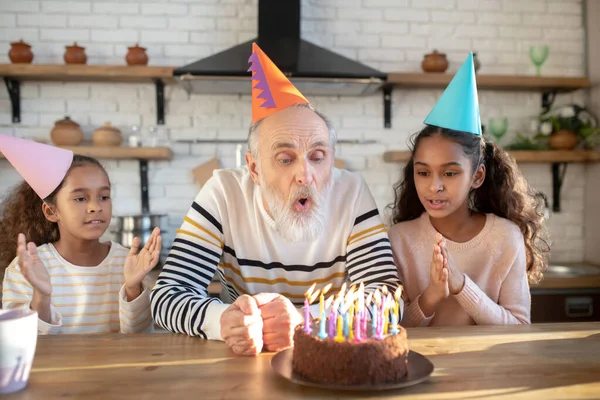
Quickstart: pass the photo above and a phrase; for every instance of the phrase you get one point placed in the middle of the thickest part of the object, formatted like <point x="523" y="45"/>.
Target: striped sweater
<point x="228" y="233"/>
<point x="84" y="299"/>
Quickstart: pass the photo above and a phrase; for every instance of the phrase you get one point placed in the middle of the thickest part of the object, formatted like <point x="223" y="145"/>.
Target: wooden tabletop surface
<point x="545" y="361"/>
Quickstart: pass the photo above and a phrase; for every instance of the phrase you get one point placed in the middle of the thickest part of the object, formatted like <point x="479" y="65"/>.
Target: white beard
<point x="296" y="226"/>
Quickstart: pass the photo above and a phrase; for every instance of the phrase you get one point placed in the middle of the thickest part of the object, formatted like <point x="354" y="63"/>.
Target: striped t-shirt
<point x="228" y="232"/>
<point x="84" y="299"/>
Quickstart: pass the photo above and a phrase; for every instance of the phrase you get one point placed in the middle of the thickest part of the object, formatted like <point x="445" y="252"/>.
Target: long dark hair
<point x="22" y="213"/>
<point x="504" y="192"/>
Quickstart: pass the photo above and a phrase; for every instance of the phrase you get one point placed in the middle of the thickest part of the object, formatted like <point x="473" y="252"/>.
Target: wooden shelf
<point x="75" y="72"/>
<point x="13" y="74"/>
<point x="521" y="156"/>
<point x="492" y="82"/>
<point x="122" y="153"/>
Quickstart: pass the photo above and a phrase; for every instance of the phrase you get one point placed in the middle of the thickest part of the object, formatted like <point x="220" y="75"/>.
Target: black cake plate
<point x="419" y="370"/>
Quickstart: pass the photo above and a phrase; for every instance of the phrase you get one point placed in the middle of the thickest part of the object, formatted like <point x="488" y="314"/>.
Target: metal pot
<point x="126" y="238"/>
<point x="140" y="223"/>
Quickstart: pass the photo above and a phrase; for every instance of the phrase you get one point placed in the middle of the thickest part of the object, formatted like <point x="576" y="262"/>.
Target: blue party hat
<point x="458" y="108"/>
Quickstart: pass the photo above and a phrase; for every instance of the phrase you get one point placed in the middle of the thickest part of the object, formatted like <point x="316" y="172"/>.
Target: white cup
<point x="18" y="340"/>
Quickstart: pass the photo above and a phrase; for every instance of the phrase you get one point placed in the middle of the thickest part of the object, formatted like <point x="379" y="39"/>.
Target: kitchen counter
<point x="570" y="276"/>
<point x="542" y="361"/>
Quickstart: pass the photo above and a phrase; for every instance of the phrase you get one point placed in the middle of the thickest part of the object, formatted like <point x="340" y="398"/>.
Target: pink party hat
<point x="43" y="166"/>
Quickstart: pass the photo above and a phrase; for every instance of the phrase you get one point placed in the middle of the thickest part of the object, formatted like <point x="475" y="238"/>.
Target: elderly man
<point x="272" y="229"/>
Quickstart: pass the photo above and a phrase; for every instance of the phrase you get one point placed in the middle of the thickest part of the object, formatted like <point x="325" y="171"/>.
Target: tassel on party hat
<point x="271" y="90"/>
<point x="458" y="108"/>
<point x="42" y="166"/>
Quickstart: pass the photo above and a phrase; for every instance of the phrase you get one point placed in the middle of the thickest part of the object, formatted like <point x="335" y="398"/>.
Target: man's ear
<point x="49" y="212"/>
<point x="252" y="167"/>
<point x="479" y="177"/>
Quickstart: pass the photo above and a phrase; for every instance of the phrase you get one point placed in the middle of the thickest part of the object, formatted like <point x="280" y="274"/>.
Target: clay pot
<point x="434" y="62"/>
<point x="563" y="140"/>
<point x="75" y="54"/>
<point x="107" y="135"/>
<point x="136" y="56"/>
<point x="66" y="132"/>
<point x="20" y="53"/>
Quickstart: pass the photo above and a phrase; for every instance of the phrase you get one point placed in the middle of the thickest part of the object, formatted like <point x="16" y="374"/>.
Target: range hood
<point x="312" y="69"/>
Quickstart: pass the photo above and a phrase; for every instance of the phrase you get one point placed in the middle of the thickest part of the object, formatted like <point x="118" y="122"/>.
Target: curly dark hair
<point x="22" y="213"/>
<point x="504" y="192"/>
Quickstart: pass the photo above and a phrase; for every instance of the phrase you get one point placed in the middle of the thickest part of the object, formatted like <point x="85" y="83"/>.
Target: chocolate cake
<point x="369" y="361"/>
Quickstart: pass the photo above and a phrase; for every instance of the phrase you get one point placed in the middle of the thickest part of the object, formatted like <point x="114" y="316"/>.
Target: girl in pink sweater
<point x="468" y="232"/>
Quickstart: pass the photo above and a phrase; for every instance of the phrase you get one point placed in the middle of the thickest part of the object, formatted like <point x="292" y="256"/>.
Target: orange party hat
<point x="272" y="91"/>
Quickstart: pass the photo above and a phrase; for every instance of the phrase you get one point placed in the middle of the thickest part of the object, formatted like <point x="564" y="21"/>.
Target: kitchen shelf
<point x="13" y="74"/>
<point x="521" y="156"/>
<point x="141" y="154"/>
<point x="548" y="86"/>
<point x="492" y="82"/>
<point x="121" y="153"/>
<point x="557" y="158"/>
<point x="80" y="72"/>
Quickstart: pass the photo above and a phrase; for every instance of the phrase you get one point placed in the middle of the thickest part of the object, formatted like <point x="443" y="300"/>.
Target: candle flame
<point x="377" y="298"/>
<point x="384" y="291"/>
<point x="326" y="289"/>
<point x="314" y="296"/>
<point x="369" y="298"/>
<point x="310" y="290"/>
<point x="388" y="300"/>
<point x="329" y="301"/>
<point x="361" y="288"/>
<point x="398" y="293"/>
<point x="343" y="290"/>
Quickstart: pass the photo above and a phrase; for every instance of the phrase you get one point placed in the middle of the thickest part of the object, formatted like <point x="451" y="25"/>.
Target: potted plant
<point x="567" y="127"/>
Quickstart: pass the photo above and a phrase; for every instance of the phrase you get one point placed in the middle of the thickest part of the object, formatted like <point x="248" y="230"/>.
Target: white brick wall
<point x="392" y="35"/>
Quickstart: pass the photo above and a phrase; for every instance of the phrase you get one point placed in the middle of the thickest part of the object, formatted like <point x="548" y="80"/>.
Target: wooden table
<point x="546" y="361"/>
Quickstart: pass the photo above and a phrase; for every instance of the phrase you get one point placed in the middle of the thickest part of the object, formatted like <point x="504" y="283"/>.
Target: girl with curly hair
<point x="468" y="234"/>
<point x="57" y="265"/>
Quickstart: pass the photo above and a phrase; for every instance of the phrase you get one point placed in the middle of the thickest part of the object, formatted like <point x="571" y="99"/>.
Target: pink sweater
<point x="496" y="289"/>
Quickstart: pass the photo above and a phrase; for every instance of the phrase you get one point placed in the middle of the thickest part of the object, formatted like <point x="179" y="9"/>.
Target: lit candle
<point x="357" y="326"/>
<point x="307" y="295"/>
<point x="322" y="333"/>
<point x="378" y="324"/>
<point x="348" y="313"/>
<point x="387" y="306"/>
<point x="322" y="300"/>
<point x="375" y="312"/>
<point x="364" y="314"/>
<point x="395" y="317"/>
<point x="333" y="316"/>
<point x="339" y="337"/>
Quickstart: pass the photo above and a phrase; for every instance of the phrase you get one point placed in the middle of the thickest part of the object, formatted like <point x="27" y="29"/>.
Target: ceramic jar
<point x="20" y="53"/>
<point x="563" y="140"/>
<point x="107" y="135"/>
<point x="136" y="55"/>
<point x="75" y="54"/>
<point x="66" y="132"/>
<point x="434" y="62"/>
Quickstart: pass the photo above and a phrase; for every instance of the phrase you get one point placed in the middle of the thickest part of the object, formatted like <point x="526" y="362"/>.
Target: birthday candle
<point x="322" y="300"/>
<point x="322" y="333"/>
<point x="332" y="317"/>
<point x="395" y="320"/>
<point x="348" y="312"/>
<point x="387" y="307"/>
<point x="357" y="326"/>
<point x="339" y="337"/>
<point x="307" y="295"/>
<point x="364" y="313"/>
<point x="384" y="321"/>
<point x="375" y="311"/>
